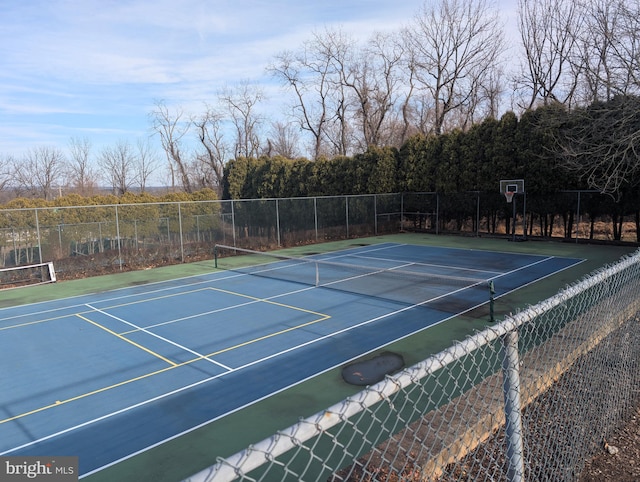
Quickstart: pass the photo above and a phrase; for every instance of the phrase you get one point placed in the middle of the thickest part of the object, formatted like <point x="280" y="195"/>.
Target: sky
<point x="93" y="69"/>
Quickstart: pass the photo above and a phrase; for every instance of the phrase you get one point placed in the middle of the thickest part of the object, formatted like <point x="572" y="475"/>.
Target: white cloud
<point x="70" y="67"/>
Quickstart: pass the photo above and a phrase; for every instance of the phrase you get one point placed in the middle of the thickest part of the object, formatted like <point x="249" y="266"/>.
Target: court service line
<point x="254" y="300"/>
<point x="182" y="289"/>
<point x="436" y="265"/>
<point x="114" y="298"/>
<point x="182" y="347"/>
<point x="155" y="298"/>
<point x="196" y="315"/>
<point x="543" y="260"/>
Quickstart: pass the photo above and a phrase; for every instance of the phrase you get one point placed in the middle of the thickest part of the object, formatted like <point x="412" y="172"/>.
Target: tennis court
<point x="112" y="374"/>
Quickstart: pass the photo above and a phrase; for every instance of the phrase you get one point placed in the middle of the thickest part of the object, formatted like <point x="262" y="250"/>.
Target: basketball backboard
<point x="515" y="186"/>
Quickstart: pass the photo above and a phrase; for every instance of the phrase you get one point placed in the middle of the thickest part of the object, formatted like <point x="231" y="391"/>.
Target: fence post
<point x="513" y="416"/>
<point x="401" y="211"/>
<point x="315" y="216"/>
<point x="118" y="238"/>
<point x="233" y="222"/>
<point x="346" y="213"/>
<point x="39" y="239"/>
<point x="478" y="214"/>
<point x="375" y="214"/>
<point x="437" y="212"/>
<point x="181" y="234"/>
<point x="578" y="219"/>
<point x="278" y="223"/>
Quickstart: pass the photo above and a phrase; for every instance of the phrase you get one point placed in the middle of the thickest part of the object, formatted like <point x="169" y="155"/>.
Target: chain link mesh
<point x="564" y="373"/>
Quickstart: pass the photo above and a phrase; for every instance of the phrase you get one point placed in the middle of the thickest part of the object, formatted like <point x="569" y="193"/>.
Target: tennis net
<point x="27" y="275"/>
<point x="399" y="281"/>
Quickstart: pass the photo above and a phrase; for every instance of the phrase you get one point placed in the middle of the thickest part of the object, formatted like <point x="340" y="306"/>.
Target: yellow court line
<point x="270" y="335"/>
<point x="173" y="365"/>
<point x="88" y="394"/>
<point x="127" y="340"/>
<point x="151" y="374"/>
<point x="322" y="316"/>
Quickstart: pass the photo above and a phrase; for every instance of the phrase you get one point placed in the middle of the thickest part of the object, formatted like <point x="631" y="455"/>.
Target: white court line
<point x="211" y="278"/>
<point x="417" y="263"/>
<point x="206" y="313"/>
<point x="209" y="379"/>
<point x="214" y="377"/>
<point x="139" y="328"/>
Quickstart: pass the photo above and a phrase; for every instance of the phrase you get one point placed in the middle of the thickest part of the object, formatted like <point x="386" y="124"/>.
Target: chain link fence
<point x="84" y="240"/>
<point x="529" y="399"/>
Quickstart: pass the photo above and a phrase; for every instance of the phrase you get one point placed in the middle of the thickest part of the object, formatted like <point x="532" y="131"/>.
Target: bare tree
<point x="145" y="164"/>
<point x="82" y="175"/>
<point x="609" y="49"/>
<point x="549" y="30"/>
<point x="213" y="151"/>
<point x="452" y="45"/>
<point x="601" y="143"/>
<point x="335" y="46"/>
<point x="628" y="48"/>
<point x="172" y="127"/>
<point x="241" y="103"/>
<point x="374" y="78"/>
<point x="39" y="172"/>
<point x="6" y="165"/>
<point x="485" y="99"/>
<point x="307" y="73"/>
<point x="407" y="111"/>
<point x="283" y="141"/>
<point x="118" y="164"/>
<point x="598" y="138"/>
<point x="491" y="92"/>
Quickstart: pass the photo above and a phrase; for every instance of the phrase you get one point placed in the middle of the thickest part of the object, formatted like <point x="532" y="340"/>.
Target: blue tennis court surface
<point x="112" y="374"/>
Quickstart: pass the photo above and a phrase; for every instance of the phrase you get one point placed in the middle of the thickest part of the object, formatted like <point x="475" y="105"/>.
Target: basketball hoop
<point x="511" y="187"/>
<point x="509" y="195"/>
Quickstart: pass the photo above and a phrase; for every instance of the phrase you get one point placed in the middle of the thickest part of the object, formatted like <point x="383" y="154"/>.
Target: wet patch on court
<point x="373" y="370"/>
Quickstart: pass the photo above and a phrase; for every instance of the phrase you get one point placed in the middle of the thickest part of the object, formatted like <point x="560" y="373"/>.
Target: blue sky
<point x="94" y="68"/>
<point x="86" y="68"/>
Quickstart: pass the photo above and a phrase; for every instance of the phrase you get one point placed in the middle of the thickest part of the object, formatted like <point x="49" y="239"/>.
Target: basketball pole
<point x="524" y="215"/>
<point x="513" y="224"/>
<point x="511" y="189"/>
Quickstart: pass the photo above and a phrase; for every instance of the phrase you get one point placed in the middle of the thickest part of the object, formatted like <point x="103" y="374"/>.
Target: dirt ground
<point x="619" y="459"/>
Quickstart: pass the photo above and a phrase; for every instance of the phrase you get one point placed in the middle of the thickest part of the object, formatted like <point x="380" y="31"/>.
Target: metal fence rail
<point x="96" y="239"/>
<point x="531" y="398"/>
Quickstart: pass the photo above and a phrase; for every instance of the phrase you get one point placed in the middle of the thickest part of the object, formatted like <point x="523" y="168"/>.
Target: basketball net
<point x="509" y="195"/>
